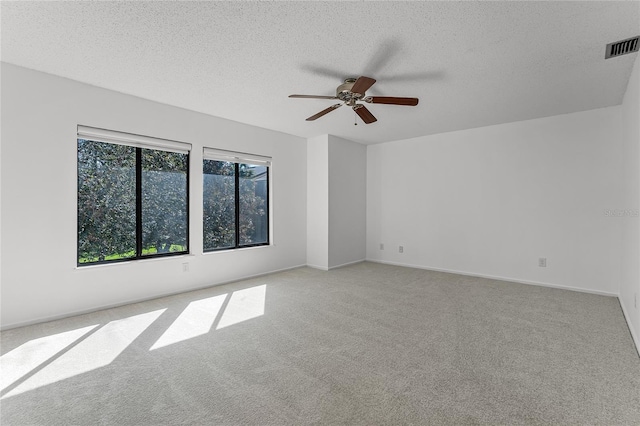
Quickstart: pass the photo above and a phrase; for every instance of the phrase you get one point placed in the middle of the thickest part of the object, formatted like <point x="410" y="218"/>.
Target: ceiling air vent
<point x="622" y="47"/>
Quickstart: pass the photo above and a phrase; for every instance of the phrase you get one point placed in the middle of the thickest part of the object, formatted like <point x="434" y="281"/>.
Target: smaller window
<point x="235" y="200"/>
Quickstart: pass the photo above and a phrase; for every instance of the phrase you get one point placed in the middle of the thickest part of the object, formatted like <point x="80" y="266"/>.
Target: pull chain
<point x="355" y="119"/>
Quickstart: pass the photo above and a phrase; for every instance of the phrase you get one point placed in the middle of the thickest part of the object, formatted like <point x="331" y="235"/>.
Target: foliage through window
<point x="132" y="202"/>
<point x="235" y="204"/>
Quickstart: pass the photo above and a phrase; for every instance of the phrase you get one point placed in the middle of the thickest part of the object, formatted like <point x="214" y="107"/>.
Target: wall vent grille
<point x="622" y="47"/>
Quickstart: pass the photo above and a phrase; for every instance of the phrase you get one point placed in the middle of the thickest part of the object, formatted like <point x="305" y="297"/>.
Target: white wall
<point x="630" y="280"/>
<point x="491" y="201"/>
<point x="40" y="113"/>
<point x="347" y="201"/>
<point x="318" y="202"/>
<point x="336" y="194"/>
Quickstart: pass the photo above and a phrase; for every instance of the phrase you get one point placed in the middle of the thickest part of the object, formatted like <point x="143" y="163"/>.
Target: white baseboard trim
<point x="347" y="264"/>
<point x="321" y="268"/>
<point x="329" y="268"/>
<point x="496" y="277"/>
<point x="39" y="320"/>
<point x="634" y="335"/>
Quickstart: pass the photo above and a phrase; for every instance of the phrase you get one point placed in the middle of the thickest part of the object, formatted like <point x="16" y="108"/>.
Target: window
<point x="132" y="197"/>
<point x="235" y="200"/>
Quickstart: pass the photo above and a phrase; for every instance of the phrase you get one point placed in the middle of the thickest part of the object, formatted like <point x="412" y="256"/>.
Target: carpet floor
<point x="367" y="344"/>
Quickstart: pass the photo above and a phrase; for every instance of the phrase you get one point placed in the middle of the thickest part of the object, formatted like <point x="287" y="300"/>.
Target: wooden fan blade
<point x="312" y="97"/>
<point x="362" y="84"/>
<point x="365" y="114"/>
<point x="389" y="100"/>
<point x="324" y="111"/>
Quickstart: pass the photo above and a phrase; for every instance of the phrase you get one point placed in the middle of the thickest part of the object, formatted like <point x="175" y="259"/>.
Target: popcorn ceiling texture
<point x="471" y="64"/>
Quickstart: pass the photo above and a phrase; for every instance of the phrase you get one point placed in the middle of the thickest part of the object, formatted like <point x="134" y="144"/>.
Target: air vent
<point x="622" y="47"/>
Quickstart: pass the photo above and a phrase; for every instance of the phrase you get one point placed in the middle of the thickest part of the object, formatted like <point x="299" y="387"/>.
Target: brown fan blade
<point x="365" y="114"/>
<point x="362" y="84"/>
<point x="312" y="97"/>
<point x="391" y="100"/>
<point x="324" y="111"/>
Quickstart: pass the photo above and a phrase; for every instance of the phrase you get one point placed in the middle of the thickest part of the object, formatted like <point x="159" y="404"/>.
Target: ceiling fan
<point x="352" y="91"/>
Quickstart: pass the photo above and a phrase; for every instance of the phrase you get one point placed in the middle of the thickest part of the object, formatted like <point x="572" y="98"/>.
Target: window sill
<point x="231" y="250"/>
<point x="134" y="261"/>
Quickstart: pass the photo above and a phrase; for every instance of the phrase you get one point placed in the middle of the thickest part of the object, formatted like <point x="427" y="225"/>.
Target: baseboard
<point x="128" y="302"/>
<point x="496" y="277"/>
<point x="321" y="268"/>
<point x="329" y="268"/>
<point x="347" y="264"/>
<point x="634" y="335"/>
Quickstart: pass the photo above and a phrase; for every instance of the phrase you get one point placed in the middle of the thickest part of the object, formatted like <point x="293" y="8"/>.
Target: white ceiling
<point x="471" y="64"/>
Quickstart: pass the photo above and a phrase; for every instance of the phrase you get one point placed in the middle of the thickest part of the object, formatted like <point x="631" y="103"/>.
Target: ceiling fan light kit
<point x="354" y="90"/>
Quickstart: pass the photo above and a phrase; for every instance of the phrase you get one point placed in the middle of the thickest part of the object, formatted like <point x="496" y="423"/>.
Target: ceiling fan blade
<point x="389" y="100"/>
<point x="323" y="112"/>
<point x="312" y="97"/>
<point x="362" y="84"/>
<point x="365" y="114"/>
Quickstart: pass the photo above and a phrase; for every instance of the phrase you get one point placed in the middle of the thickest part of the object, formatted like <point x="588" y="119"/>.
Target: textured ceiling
<point x="471" y="64"/>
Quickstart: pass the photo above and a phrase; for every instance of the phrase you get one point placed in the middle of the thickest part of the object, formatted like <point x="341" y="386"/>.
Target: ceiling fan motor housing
<point x="344" y="93"/>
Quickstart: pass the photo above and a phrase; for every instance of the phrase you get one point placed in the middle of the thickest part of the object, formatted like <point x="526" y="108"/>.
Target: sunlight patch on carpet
<point x="97" y="350"/>
<point x="244" y="305"/>
<point x="196" y="320"/>
<point x="28" y="356"/>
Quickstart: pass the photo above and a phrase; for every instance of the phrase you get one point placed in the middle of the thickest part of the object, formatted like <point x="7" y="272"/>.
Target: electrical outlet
<point x="185" y="267"/>
<point x="542" y="262"/>
<point x="381" y="246"/>
<point x="401" y="249"/>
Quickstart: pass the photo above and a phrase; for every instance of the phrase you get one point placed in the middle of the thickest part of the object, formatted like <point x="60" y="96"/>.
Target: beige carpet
<point x="367" y="344"/>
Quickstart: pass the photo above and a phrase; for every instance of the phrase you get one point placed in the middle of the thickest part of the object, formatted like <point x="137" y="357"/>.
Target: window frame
<point x="237" y="158"/>
<point x="139" y="143"/>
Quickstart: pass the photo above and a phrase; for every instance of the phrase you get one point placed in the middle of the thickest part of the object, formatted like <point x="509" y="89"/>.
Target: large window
<point x="235" y="200"/>
<point x="132" y="197"/>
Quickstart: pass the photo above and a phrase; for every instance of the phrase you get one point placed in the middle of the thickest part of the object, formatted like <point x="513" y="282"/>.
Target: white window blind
<point x="111" y="136"/>
<point x="235" y="157"/>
